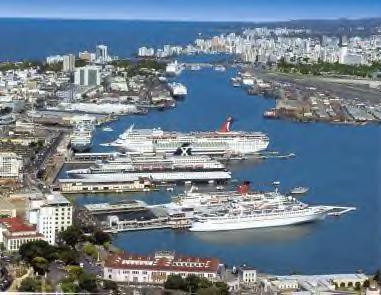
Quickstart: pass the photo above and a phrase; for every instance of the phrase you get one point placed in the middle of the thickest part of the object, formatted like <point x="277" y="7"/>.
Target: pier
<point x="338" y="211"/>
<point x="77" y="186"/>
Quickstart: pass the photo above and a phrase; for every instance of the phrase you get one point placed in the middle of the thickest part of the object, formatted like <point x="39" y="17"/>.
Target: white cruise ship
<point x="173" y="69"/>
<point x="158" y="169"/>
<point x="222" y="143"/>
<point x="242" y="209"/>
<point x="82" y="136"/>
<point x="177" y="90"/>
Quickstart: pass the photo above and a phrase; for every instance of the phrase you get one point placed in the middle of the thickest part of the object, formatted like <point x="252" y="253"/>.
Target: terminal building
<point x="155" y="269"/>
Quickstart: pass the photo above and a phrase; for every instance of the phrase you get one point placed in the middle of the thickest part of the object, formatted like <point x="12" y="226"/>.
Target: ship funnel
<point x="184" y="150"/>
<point x="226" y="125"/>
<point x="244" y="188"/>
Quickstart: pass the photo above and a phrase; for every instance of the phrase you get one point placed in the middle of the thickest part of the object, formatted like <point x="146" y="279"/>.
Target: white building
<point x="87" y="76"/>
<point x="51" y="215"/>
<point x="101" y="53"/>
<point x="68" y="63"/>
<point x="10" y="166"/>
<point x="54" y="59"/>
<point x="247" y="274"/>
<point x="14" y="232"/>
<point x="155" y="269"/>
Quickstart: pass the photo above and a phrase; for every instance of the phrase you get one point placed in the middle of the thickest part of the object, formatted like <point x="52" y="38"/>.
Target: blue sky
<point x="209" y="10"/>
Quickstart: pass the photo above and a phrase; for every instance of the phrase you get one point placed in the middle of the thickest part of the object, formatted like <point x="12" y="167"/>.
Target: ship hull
<point x="252" y="223"/>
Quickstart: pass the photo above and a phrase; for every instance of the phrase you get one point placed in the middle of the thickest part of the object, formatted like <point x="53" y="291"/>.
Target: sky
<point x="192" y="10"/>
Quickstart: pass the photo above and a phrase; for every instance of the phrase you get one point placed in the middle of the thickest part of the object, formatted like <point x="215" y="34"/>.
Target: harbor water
<point x="340" y="164"/>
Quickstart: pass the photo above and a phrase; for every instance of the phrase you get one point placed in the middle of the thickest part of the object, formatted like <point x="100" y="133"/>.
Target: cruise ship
<point x="258" y="210"/>
<point x="224" y="142"/>
<point x="177" y="90"/>
<point x="157" y="168"/>
<point x="82" y="135"/>
<point x="173" y="69"/>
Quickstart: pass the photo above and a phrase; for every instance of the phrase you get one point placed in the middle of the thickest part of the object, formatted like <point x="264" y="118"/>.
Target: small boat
<point x="300" y="190"/>
<point x="169" y="189"/>
<point x="107" y="129"/>
<point x="220" y="188"/>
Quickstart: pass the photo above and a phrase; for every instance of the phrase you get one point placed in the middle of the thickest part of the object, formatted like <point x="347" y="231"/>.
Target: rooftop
<point x="16" y="224"/>
<point x="162" y="261"/>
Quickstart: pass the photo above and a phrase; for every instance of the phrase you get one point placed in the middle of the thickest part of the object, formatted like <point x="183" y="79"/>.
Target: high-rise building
<point x="87" y="56"/>
<point x="87" y="76"/>
<point x="10" y="166"/>
<point x="68" y="63"/>
<point x="51" y="214"/>
<point x="101" y="53"/>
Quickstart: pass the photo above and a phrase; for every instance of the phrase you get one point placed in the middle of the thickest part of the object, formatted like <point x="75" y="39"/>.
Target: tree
<point x="110" y="285"/>
<point x="29" y="285"/>
<point x="68" y="285"/>
<point x="175" y="282"/>
<point x="223" y="287"/>
<point x="100" y="237"/>
<point x="90" y="250"/>
<point x="39" y="248"/>
<point x="74" y="271"/>
<point x="87" y="282"/>
<point x="69" y="256"/>
<point x="71" y="236"/>
<point x="40" y="265"/>
<point x="192" y="283"/>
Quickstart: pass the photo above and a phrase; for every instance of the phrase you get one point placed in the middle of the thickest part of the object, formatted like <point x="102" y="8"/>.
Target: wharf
<point x="338" y="211"/>
<point x="107" y="208"/>
<point x="78" y="186"/>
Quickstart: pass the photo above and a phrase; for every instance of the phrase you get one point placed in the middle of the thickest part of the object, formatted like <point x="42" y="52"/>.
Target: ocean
<point x="340" y="164"/>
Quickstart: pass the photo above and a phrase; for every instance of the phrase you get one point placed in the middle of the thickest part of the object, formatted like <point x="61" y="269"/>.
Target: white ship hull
<point x="256" y="222"/>
<point x="157" y="176"/>
<point x="201" y="147"/>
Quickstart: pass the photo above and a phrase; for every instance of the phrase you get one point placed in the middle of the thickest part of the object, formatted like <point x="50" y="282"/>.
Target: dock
<point x="338" y="211"/>
<point x="80" y="186"/>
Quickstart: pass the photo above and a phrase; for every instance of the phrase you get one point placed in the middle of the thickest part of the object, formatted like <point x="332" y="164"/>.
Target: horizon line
<point x="186" y="20"/>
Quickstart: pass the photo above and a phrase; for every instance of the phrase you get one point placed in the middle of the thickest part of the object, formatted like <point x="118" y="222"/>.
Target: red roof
<point x="162" y="263"/>
<point x="16" y="224"/>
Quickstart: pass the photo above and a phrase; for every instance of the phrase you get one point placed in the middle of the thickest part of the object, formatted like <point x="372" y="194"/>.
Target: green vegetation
<point x="71" y="236"/>
<point x="196" y="285"/>
<point x="90" y="250"/>
<point x="328" y="68"/>
<point x="134" y="68"/>
<point x="7" y="66"/>
<point x="100" y="237"/>
<point x="34" y="249"/>
<point x="30" y="285"/>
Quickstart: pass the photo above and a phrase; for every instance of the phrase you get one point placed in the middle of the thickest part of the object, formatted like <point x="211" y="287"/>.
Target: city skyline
<point x="171" y="10"/>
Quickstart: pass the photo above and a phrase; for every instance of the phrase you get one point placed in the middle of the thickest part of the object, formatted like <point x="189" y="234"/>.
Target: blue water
<point x="340" y="164"/>
<point x="35" y="39"/>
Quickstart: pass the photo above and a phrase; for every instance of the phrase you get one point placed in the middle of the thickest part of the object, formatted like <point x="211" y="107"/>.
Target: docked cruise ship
<point x="173" y="69"/>
<point x="82" y="135"/>
<point x="157" y="168"/>
<point x="242" y="209"/>
<point x="177" y="90"/>
<point x="215" y="143"/>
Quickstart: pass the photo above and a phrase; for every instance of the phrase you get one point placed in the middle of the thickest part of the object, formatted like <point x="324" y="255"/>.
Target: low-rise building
<point x="14" y="232"/>
<point x="247" y="274"/>
<point x="155" y="269"/>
